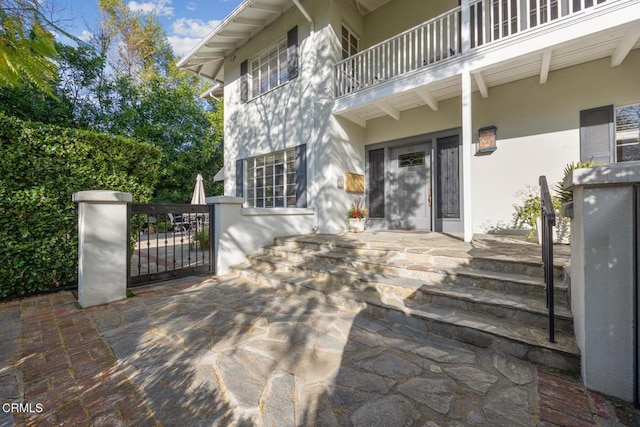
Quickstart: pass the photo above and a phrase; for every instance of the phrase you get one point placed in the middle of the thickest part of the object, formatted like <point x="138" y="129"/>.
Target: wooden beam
<point x="544" y="68"/>
<point x="265" y="8"/>
<point x="218" y="45"/>
<point x="427" y="97"/>
<point x="626" y="44"/>
<point x="249" y="22"/>
<point x="354" y="118"/>
<point x="203" y="60"/>
<point x="232" y="35"/>
<point x="217" y="69"/>
<point x="388" y="109"/>
<point x="482" y="84"/>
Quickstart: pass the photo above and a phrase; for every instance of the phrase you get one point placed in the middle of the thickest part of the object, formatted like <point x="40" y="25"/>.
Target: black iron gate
<point x="168" y="241"/>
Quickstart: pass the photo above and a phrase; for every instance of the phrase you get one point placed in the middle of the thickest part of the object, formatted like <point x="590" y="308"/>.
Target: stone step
<point x="455" y="295"/>
<point x="429" y="271"/>
<point x="481" y="329"/>
<point x="433" y="256"/>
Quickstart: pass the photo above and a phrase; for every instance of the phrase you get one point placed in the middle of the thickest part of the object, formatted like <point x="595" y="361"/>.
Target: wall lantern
<point x="487" y="139"/>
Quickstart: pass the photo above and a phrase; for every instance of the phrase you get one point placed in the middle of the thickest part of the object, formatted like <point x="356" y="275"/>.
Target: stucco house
<point x="436" y="113"/>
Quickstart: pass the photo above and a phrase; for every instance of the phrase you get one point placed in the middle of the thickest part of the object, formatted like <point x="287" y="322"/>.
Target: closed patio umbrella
<point x="198" y="197"/>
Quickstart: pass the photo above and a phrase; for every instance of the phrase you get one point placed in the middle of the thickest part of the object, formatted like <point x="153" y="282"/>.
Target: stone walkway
<point x="217" y="352"/>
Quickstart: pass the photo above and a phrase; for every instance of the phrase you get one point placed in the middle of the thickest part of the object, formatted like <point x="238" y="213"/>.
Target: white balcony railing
<point x="493" y="20"/>
<point x="440" y="38"/>
<point x="425" y="44"/>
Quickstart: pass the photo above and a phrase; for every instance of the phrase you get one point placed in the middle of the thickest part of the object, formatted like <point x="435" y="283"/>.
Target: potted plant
<point x="528" y="213"/>
<point x="200" y="239"/>
<point x="357" y="216"/>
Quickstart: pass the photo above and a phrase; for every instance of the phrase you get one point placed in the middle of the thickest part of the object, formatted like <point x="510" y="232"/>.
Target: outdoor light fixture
<point x="487" y="139"/>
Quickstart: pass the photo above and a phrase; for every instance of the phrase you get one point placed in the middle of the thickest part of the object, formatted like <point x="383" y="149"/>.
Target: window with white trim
<point x="628" y="133"/>
<point x="271" y="180"/>
<point x="349" y="43"/>
<point x="269" y="69"/>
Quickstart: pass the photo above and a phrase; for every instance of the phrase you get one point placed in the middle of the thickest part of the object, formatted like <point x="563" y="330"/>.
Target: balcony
<point x="442" y="39"/>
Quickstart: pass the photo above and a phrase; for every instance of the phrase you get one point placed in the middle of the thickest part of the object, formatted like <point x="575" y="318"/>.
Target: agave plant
<point x="564" y="195"/>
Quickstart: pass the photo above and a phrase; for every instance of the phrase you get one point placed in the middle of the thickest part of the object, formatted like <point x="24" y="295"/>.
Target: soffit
<point x="593" y="47"/>
<point x="247" y="20"/>
<point x="366" y="6"/>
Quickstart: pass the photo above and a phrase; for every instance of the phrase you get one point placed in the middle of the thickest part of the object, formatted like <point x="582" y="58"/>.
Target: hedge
<point x="41" y="166"/>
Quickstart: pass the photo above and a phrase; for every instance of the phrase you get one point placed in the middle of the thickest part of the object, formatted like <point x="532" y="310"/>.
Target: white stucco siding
<point x="299" y="112"/>
<point x="277" y="119"/>
<point x="539" y="131"/>
<point x="538" y="125"/>
<point x="400" y="15"/>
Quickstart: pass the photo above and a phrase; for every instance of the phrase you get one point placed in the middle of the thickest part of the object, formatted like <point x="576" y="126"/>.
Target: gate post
<point x="102" y="246"/>
<point x="603" y="279"/>
<point x="226" y="211"/>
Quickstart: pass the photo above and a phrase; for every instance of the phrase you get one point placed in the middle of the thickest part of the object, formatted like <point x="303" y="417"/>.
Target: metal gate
<point x="168" y="241"/>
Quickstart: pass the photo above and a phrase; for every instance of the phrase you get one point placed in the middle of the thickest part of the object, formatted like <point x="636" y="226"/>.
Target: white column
<point x="102" y="246"/>
<point x="467" y="123"/>
<point x="467" y="140"/>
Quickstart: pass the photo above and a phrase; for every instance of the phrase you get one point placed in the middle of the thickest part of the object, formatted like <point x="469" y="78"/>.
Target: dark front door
<point x="448" y="181"/>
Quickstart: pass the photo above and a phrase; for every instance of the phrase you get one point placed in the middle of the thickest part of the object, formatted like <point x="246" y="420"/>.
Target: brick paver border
<point x="70" y="374"/>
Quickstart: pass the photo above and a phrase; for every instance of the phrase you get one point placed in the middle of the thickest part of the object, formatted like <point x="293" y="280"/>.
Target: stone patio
<point x="207" y="351"/>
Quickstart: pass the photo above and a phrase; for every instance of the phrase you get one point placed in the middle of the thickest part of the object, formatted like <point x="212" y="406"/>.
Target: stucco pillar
<point x="102" y="246"/>
<point x="227" y="212"/>
<point x="602" y="275"/>
<point x="467" y="143"/>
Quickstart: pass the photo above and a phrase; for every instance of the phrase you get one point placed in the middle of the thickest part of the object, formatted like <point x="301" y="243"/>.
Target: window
<point x="269" y="70"/>
<point x="271" y="180"/>
<point x="272" y="68"/>
<point x="349" y="43"/>
<point x="411" y="159"/>
<point x="628" y="133"/>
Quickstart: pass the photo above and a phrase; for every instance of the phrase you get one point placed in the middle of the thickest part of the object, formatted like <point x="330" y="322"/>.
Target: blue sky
<point x="186" y="22"/>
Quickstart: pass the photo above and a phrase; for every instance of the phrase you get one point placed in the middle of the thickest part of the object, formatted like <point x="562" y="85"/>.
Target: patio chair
<point x="178" y="222"/>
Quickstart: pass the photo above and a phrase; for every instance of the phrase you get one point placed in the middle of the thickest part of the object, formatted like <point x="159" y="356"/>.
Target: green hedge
<point x="41" y="166"/>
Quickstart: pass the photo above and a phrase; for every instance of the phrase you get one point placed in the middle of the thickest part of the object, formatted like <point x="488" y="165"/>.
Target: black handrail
<point x="548" y="219"/>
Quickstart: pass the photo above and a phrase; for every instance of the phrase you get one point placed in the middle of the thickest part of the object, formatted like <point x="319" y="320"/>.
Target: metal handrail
<point x="548" y="220"/>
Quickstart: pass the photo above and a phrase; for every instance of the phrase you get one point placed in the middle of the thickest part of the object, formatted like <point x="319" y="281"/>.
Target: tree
<point x="27" y="49"/>
<point x="142" y="46"/>
<point x="124" y="81"/>
<point x="152" y="100"/>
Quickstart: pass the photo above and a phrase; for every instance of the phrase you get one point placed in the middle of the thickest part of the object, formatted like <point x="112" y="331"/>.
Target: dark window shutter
<point x="597" y="138"/>
<point x="301" y="176"/>
<point x="244" y="81"/>
<point x="292" y="53"/>
<point x="240" y="178"/>
<point x="448" y="163"/>
<point x="376" y="183"/>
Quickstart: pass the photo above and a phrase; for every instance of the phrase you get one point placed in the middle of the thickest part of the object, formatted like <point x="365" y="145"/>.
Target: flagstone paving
<point x="216" y="352"/>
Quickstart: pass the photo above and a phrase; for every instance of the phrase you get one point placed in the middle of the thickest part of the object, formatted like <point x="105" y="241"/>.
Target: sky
<point x="186" y="22"/>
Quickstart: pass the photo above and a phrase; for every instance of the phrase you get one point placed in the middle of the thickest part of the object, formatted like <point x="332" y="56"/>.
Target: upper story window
<point x="628" y="133"/>
<point x="272" y="68"/>
<point x="269" y="70"/>
<point x="349" y="43"/>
